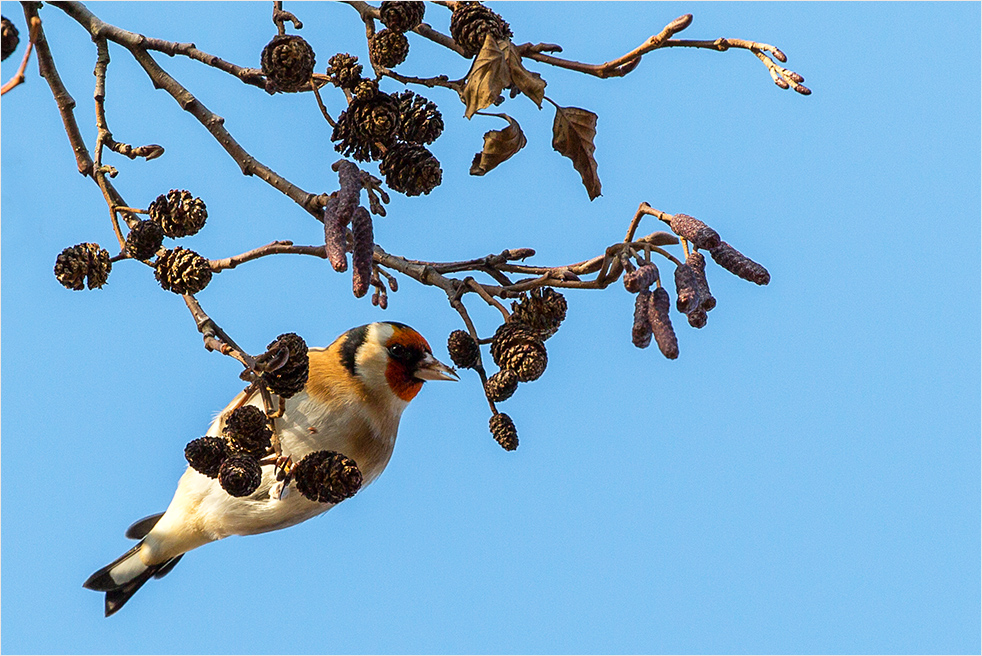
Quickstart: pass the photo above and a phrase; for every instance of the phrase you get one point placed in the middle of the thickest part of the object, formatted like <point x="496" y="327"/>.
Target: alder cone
<point x="179" y="213"/>
<point x="504" y="431"/>
<point x="420" y="121"/>
<point x="542" y="311"/>
<point x="471" y="22"/>
<point x="288" y="62"/>
<point x="463" y="349"/>
<point x="206" y="455"/>
<point x="81" y="265"/>
<point x="182" y="271"/>
<point x="144" y="240"/>
<point x="291" y="377"/>
<point x="10" y="38"/>
<point x="248" y="432"/>
<point x="366" y="89"/>
<point x="327" y="477"/>
<point x="411" y="169"/>
<point x="402" y="16"/>
<point x="240" y="475"/>
<point x="501" y="386"/>
<point x="344" y="70"/>
<point x="388" y="48"/>
<point x="367" y="124"/>
<point x="517" y="347"/>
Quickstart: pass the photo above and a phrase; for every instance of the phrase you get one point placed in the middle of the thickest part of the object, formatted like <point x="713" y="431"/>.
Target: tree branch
<point x="99" y="29"/>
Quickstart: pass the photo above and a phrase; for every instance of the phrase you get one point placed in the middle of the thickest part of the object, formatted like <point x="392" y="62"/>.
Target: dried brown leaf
<point x="499" y="145"/>
<point x="573" y="132"/>
<point x="489" y="75"/>
<point x="529" y="83"/>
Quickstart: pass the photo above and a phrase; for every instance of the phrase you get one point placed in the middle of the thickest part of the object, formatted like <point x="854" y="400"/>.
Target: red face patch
<point x="406" y="348"/>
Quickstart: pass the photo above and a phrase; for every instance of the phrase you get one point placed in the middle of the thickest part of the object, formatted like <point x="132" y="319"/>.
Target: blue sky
<point x="804" y="478"/>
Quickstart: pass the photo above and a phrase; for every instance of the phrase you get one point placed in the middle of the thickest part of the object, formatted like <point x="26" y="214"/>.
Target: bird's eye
<point x="399" y="352"/>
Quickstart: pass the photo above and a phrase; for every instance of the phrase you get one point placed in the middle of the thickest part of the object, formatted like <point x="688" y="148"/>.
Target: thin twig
<point x="18" y="77"/>
<point x="215" y="338"/>
<point x="274" y="248"/>
<point x="323" y="108"/>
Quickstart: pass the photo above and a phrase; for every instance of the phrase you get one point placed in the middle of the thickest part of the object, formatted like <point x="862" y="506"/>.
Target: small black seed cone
<point x="504" y="431"/>
<point x="179" y="213"/>
<point x="420" y="121"/>
<point x="291" y="377"/>
<point x="344" y="70"/>
<point x="9" y="38"/>
<point x="367" y="127"/>
<point x="463" y="349"/>
<point x="402" y="16"/>
<point x="543" y="311"/>
<point x="206" y="455"/>
<point x="388" y="48"/>
<point x="81" y="265"/>
<point x="240" y="475"/>
<point x="248" y="432"/>
<point x="288" y="62"/>
<point x="411" y="169"/>
<point x="501" y="386"/>
<point x="144" y="240"/>
<point x="327" y="477"/>
<point x="517" y="347"/>
<point x="471" y="22"/>
<point x="182" y="271"/>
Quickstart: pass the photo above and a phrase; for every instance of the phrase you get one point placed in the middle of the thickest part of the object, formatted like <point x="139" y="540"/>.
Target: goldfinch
<point x="355" y="394"/>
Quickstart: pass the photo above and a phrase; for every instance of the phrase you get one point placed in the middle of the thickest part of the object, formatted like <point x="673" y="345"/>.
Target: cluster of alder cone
<point x="518" y="349"/>
<point x="179" y="270"/>
<point x="518" y="345"/>
<point x="394" y="129"/>
<point x="236" y="456"/>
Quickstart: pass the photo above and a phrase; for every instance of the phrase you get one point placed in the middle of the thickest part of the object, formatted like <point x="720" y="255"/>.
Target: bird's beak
<point x="432" y="369"/>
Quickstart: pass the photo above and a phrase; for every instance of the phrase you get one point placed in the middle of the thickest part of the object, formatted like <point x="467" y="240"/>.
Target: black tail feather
<point x="139" y="529"/>
<point x="117" y="597"/>
<point x="167" y="567"/>
<point x="117" y="594"/>
<point x="102" y="580"/>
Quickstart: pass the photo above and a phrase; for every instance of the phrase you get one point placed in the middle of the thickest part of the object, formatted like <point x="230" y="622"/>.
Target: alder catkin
<point x="361" y="253"/>
<point x="641" y="330"/>
<point x="697" y="262"/>
<point x="661" y="323"/>
<point x="694" y="230"/>
<point x="686" y="289"/>
<point x="334" y="236"/>
<point x="641" y="278"/>
<point x="739" y="264"/>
